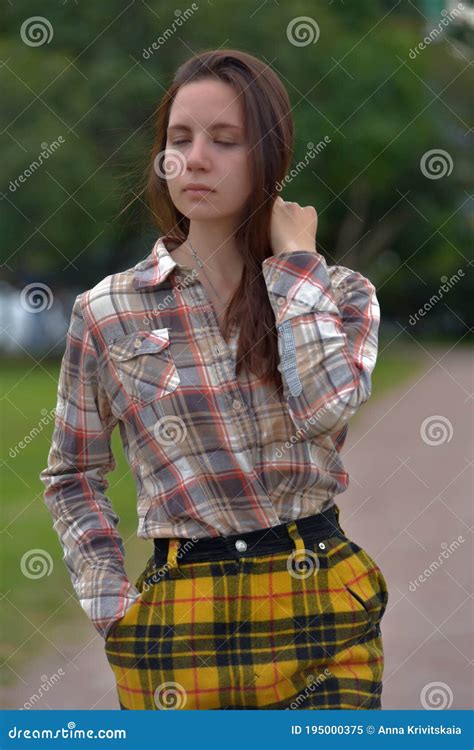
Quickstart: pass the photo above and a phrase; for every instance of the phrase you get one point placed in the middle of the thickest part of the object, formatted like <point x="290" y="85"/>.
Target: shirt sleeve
<point x="327" y="338"/>
<point x="79" y="457"/>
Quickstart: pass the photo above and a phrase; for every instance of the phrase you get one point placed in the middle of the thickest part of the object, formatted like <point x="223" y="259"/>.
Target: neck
<point x="216" y="247"/>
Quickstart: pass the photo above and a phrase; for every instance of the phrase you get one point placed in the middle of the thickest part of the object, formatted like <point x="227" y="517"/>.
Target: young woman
<point x="232" y="358"/>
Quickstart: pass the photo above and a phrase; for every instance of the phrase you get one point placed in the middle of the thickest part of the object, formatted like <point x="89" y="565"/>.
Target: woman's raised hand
<point x="293" y="227"/>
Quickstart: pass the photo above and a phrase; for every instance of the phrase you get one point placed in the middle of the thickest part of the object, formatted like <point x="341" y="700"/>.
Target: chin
<point x="205" y="212"/>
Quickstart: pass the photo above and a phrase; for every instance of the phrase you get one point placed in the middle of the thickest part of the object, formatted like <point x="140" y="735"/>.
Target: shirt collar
<point x="156" y="267"/>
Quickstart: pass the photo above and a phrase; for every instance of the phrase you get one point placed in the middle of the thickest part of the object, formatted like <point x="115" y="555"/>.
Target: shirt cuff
<point x="105" y="597"/>
<point x="298" y="283"/>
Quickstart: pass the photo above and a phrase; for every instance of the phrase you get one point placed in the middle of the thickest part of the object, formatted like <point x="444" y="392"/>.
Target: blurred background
<point x="383" y="150"/>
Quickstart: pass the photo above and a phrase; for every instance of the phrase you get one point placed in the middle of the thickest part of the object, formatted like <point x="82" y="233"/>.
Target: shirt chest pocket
<point x="144" y="365"/>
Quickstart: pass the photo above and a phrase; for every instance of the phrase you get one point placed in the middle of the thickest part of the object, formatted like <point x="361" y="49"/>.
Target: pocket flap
<point x="139" y="342"/>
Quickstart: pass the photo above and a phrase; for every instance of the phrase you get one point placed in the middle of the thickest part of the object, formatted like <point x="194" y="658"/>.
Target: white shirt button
<point x="321" y="545"/>
<point x="240" y="545"/>
<point x="137" y="343"/>
<point x="236" y="404"/>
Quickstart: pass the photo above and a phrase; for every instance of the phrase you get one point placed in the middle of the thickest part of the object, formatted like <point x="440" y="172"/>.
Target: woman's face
<point x="206" y="144"/>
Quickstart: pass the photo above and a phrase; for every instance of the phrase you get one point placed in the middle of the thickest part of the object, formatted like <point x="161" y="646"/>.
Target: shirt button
<point x="236" y="405"/>
<point x="240" y="545"/>
<point x="321" y="545"/>
<point x="137" y="343"/>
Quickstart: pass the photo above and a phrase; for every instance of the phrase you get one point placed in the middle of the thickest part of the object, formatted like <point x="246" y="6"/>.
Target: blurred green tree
<point x="362" y="82"/>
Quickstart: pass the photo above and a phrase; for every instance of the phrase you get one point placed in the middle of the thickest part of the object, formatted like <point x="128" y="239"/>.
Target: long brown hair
<point x="269" y="130"/>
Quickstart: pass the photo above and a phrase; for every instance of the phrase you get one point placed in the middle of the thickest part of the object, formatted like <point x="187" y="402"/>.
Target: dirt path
<point x="410" y="505"/>
<point x="409" y="501"/>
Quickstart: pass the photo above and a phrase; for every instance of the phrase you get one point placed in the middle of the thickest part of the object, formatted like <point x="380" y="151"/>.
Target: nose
<point x="197" y="157"/>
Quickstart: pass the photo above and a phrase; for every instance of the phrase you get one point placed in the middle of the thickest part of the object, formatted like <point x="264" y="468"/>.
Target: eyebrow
<point x="214" y="126"/>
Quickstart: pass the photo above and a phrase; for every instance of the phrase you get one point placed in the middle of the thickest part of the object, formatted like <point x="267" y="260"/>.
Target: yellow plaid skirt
<point x="298" y="629"/>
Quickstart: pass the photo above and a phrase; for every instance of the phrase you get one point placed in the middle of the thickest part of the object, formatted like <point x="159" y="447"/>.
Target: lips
<point x="196" y="188"/>
<point x="198" y="193"/>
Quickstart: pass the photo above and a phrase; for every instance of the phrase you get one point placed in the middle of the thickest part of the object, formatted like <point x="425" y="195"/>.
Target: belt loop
<point x="298" y="540"/>
<point x="171" y="558"/>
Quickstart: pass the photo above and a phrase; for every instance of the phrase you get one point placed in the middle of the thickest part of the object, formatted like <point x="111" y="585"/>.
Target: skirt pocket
<point x="360" y="578"/>
<point x="131" y="619"/>
<point x="127" y="617"/>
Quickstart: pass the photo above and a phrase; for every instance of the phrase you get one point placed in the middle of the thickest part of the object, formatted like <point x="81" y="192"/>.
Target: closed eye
<point x="221" y="143"/>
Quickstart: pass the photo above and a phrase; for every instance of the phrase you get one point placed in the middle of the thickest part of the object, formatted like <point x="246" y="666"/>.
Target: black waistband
<point x="266" y="541"/>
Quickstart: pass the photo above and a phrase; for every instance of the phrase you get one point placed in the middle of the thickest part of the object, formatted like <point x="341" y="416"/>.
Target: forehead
<point x="205" y="103"/>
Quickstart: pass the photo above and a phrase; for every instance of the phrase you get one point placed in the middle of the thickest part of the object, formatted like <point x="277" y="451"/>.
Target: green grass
<point x="48" y="602"/>
<point x="395" y="365"/>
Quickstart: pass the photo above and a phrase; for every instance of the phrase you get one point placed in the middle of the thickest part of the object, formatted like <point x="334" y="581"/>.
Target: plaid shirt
<point x="211" y="454"/>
